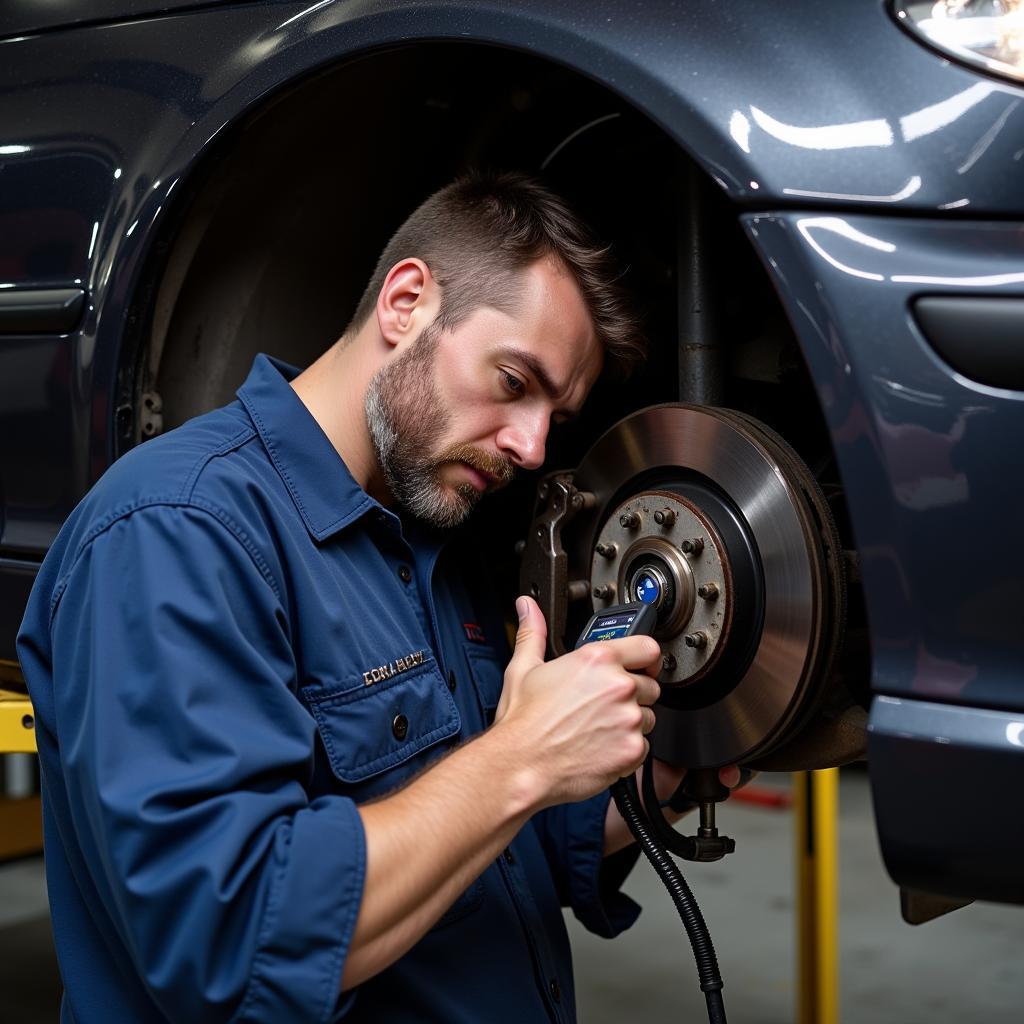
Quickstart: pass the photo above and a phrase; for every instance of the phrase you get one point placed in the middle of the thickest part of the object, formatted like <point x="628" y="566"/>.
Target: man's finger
<point x="633" y="652"/>
<point x="729" y="776"/>
<point x="648" y="690"/>
<point x="531" y="637"/>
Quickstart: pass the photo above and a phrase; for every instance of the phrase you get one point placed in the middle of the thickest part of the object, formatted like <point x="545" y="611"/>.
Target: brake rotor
<point x="709" y="515"/>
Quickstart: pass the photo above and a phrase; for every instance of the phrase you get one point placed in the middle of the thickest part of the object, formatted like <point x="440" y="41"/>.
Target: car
<point x="816" y="477"/>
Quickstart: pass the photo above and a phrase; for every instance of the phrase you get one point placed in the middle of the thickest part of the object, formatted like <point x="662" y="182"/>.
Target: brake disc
<point x="710" y="515"/>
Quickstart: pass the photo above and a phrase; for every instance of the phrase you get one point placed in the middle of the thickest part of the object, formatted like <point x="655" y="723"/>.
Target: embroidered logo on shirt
<point x="474" y="632"/>
<point x="393" y="668"/>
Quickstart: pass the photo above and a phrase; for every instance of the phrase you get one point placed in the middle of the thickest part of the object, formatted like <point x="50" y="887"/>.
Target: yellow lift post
<point x="815" y="807"/>
<point x="21" y="823"/>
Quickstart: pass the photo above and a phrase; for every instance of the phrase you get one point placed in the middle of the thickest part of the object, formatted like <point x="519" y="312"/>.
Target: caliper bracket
<point x="544" y="573"/>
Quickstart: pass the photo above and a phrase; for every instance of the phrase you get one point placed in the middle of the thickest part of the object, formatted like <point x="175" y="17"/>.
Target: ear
<point x="408" y="301"/>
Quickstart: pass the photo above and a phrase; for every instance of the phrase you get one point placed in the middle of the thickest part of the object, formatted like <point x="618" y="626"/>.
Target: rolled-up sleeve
<point x="572" y="837"/>
<point x="187" y="759"/>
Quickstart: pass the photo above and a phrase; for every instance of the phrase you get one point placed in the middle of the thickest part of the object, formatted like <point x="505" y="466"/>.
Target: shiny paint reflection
<point x="928" y="456"/>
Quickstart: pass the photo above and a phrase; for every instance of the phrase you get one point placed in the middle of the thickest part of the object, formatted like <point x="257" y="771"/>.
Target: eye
<point x="512" y="383"/>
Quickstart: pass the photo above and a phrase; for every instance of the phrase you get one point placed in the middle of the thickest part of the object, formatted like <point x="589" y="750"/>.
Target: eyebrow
<point x="547" y="385"/>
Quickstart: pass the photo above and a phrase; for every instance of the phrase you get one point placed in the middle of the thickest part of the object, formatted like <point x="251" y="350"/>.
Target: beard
<point x="407" y="419"/>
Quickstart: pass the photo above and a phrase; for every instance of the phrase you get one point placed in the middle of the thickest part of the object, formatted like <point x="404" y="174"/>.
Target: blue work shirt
<point x="229" y="646"/>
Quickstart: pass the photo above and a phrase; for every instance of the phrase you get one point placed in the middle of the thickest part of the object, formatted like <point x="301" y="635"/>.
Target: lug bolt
<point x="708" y="591"/>
<point x="698" y="639"/>
<point x="604" y="592"/>
<point x="665" y="517"/>
<point x="693" y="546"/>
<point x="629" y="520"/>
<point x="607" y="550"/>
<point x="668" y="663"/>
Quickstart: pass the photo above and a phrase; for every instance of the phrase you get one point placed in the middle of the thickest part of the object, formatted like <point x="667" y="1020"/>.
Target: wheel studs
<point x="607" y="550"/>
<point x="692" y="546"/>
<point x="665" y="517"/>
<point x="708" y="591"/>
<point x="668" y="663"/>
<point x="604" y="592"/>
<point x="629" y="521"/>
<point x="698" y="640"/>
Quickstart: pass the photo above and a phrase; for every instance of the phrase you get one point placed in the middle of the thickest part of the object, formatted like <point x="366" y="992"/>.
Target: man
<point x="249" y="653"/>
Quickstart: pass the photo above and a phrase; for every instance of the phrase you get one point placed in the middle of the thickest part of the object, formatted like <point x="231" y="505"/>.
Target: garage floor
<point x="965" y="967"/>
<point x="968" y="966"/>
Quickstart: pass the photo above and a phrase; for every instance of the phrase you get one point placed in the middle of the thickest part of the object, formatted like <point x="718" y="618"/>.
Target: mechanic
<point x="253" y="636"/>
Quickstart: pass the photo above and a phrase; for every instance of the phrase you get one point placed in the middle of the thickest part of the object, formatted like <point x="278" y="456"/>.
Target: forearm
<point x="428" y="842"/>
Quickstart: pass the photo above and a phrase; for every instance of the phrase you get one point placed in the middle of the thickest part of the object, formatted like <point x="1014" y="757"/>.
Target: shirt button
<point x="553" y="988"/>
<point x="508" y="856"/>
<point x="404" y="573"/>
<point x="400" y="727"/>
<point x="451" y="681"/>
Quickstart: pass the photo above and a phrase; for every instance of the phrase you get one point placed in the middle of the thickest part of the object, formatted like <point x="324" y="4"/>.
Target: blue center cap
<point x="648" y="590"/>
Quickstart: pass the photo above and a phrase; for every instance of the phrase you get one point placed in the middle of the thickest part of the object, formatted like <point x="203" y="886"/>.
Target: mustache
<point x="502" y="469"/>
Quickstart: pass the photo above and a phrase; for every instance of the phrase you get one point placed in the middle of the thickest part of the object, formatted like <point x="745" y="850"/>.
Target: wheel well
<point x="282" y="228"/>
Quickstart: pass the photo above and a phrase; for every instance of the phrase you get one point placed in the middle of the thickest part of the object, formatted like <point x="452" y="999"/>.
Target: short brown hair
<point x="475" y="233"/>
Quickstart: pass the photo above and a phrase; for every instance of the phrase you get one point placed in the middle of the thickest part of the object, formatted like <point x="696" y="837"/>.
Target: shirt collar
<point x="324" y="492"/>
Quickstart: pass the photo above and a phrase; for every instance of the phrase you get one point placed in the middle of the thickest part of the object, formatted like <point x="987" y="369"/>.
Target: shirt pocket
<point x="370" y="729"/>
<point x="487" y="671"/>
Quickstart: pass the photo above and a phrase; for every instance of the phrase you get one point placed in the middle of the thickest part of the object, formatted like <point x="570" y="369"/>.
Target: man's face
<point x="457" y="413"/>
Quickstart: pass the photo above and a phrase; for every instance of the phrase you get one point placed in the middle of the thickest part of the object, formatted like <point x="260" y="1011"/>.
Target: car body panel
<point x="944" y="781"/>
<point x="147" y="98"/>
<point x="932" y="513"/>
<point x="820" y="121"/>
<point x="25" y="17"/>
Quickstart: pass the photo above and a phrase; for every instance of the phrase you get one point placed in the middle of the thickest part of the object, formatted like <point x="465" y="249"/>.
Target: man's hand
<point x="578" y="722"/>
<point x="564" y="730"/>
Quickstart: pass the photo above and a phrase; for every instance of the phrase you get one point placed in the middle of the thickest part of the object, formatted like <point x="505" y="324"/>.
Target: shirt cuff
<point x="310" y="918"/>
<point x="595" y="880"/>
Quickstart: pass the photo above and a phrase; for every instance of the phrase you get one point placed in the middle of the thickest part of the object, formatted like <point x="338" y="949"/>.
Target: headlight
<point x="985" y="33"/>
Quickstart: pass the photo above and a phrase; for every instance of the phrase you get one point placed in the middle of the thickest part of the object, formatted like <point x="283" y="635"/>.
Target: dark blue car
<point x="817" y="477"/>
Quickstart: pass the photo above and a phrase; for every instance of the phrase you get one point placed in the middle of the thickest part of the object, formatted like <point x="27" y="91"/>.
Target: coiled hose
<point x="627" y="799"/>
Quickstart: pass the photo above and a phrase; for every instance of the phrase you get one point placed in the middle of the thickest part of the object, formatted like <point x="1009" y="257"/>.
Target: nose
<point x="523" y="441"/>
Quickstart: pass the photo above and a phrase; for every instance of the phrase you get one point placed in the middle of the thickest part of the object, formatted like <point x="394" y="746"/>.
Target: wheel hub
<point x="659" y="548"/>
<point x="708" y="515"/>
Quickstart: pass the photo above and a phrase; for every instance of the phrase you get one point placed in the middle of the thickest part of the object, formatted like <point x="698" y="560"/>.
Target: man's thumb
<point x="532" y="635"/>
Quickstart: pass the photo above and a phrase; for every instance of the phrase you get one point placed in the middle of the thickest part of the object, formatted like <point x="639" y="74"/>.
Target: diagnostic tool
<point x="618" y="621"/>
<point x="653" y="834"/>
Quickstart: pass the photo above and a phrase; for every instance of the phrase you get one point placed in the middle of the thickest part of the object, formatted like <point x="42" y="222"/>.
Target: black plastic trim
<point x="41" y="311"/>
<point x="981" y="337"/>
<point x="946" y="782"/>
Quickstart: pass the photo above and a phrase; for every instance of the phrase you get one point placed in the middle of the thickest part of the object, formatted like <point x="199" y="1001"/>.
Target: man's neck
<point x="333" y="389"/>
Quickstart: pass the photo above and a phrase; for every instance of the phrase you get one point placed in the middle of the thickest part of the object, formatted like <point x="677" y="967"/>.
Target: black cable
<point x="663" y="832"/>
<point x="627" y="799"/>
